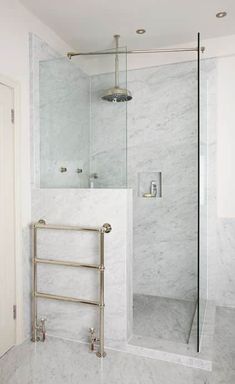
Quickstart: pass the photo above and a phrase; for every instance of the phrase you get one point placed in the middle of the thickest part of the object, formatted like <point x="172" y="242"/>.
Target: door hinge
<point x="14" y="312"/>
<point x="12" y="116"/>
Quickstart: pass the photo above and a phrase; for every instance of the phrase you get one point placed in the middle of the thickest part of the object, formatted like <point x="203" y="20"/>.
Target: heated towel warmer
<point x="36" y="327"/>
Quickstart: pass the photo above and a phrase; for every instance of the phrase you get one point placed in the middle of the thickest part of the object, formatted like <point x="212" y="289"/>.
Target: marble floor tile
<point x="163" y="318"/>
<point x="58" y="361"/>
<point x="224" y="347"/>
<point x="225" y="321"/>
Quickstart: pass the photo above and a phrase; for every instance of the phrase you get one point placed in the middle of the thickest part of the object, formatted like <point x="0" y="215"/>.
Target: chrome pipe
<point x="101" y="352"/>
<point x="66" y="298"/>
<point x="41" y="225"/>
<point x="135" y="51"/>
<point x="34" y="287"/>
<point x="116" y="62"/>
<point x="66" y="263"/>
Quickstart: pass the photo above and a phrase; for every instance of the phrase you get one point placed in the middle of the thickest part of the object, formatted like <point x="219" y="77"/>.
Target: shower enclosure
<point x="154" y="144"/>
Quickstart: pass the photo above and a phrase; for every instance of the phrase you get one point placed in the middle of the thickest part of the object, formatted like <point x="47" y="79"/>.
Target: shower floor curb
<point x="188" y="361"/>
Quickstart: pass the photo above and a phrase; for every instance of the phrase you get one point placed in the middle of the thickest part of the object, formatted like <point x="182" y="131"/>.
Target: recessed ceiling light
<point x="221" y="14"/>
<point x="140" y="31"/>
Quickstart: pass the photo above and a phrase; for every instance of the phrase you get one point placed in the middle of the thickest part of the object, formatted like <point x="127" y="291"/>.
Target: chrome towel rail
<point x="66" y="263"/>
<point x="36" y="327"/>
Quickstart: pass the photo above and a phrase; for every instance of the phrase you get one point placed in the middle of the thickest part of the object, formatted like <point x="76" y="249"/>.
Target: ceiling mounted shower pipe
<point x="117" y="94"/>
<point x="136" y="51"/>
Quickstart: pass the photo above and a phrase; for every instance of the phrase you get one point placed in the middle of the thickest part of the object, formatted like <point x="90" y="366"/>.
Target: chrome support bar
<point x="66" y="263"/>
<point x="101" y="352"/>
<point x="34" y="287"/>
<point x="41" y="224"/>
<point x="135" y="51"/>
<point x="65" y="298"/>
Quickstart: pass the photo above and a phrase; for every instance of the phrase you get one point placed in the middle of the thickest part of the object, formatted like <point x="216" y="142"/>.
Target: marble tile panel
<point x="86" y="208"/>
<point x="58" y="361"/>
<point x="163" y="318"/>
<point x="64" y="123"/>
<point x="167" y="267"/>
<point x="226" y="262"/>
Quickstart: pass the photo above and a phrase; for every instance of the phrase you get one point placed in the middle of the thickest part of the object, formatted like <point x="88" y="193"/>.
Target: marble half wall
<point x="85" y="208"/>
<point x="76" y="207"/>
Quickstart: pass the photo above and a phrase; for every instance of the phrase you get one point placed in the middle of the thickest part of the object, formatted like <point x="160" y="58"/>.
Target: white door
<point x="7" y="220"/>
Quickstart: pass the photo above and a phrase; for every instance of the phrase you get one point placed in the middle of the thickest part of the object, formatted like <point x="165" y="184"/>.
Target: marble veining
<point x="84" y="208"/>
<point x="59" y="361"/>
<point x="161" y="136"/>
<point x="166" y="224"/>
<point x="64" y="124"/>
<point x="163" y="318"/>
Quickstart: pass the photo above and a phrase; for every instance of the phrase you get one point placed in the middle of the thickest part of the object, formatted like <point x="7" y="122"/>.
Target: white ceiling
<point x="90" y="24"/>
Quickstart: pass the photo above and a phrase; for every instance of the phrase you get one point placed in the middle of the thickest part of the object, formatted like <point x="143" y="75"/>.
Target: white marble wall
<point x="81" y="207"/>
<point x="208" y="107"/>
<point x="108" y="135"/>
<point x="38" y="51"/>
<point x="64" y="124"/>
<point x="60" y="119"/>
<point x="85" y="208"/>
<point x="161" y="136"/>
<point x="158" y="140"/>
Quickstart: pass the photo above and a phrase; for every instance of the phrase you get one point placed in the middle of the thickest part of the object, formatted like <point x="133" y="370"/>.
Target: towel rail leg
<point x="34" y="287"/>
<point x="101" y="352"/>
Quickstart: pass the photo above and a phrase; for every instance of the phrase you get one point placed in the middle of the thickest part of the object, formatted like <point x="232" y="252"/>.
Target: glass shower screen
<point x="82" y="136"/>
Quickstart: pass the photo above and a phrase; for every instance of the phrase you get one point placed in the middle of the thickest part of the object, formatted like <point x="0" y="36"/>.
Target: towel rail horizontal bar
<point x="67" y="263"/>
<point x="67" y="227"/>
<point x="66" y="298"/>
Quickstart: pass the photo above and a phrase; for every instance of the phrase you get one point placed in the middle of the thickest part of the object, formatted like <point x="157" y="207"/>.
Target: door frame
<point x="15" y="86"/>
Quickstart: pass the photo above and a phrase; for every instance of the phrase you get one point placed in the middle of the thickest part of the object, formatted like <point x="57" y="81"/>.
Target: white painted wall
<point x="226" y="136"/>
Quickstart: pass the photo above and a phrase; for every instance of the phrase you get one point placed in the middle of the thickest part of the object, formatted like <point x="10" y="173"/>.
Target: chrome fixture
<point x="117" y="94"/>
<point x="93" y="339"/>
<point x="153" y="190"/>
<point x="63" y="169"/>
<point x="93" y="176"/>
<point x="40" y="330"/>
<point x="140" y="31"/>
<point x="221" y="14"/>
<point x="36" y="328"/>
<point x="137" y="51"/>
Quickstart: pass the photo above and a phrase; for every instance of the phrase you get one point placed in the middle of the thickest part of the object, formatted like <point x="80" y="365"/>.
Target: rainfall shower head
<point x="117" y="94"/>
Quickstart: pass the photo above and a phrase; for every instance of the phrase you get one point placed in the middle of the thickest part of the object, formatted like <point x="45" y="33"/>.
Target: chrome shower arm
<point x="116" y="37"/>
